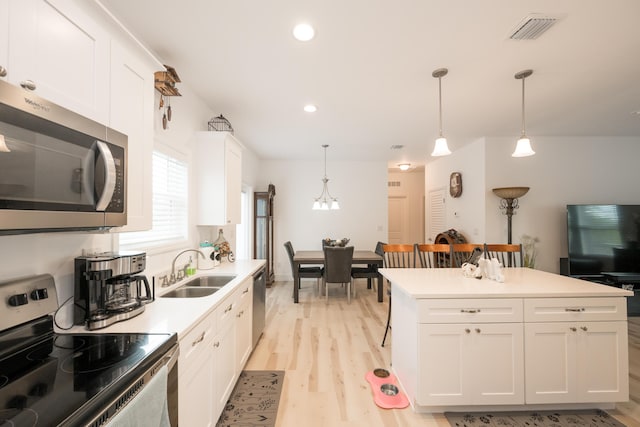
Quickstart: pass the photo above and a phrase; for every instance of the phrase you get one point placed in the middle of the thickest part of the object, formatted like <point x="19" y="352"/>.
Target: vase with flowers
<point x="530" y="250"/>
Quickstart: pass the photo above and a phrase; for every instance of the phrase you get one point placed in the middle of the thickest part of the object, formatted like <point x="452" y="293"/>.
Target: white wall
<point x="360" y="188"/>
<point x="466" y="213"/>
<point x="565" y="170"/>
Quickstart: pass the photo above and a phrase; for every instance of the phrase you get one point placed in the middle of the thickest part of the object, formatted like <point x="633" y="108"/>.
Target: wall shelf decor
<point x="165" y="83"/>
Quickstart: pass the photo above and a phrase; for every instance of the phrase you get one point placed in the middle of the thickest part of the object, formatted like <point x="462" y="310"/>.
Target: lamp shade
<point x="510" y="192"/>
<point x="441" y="148"/>
<point x="523" y="148"/>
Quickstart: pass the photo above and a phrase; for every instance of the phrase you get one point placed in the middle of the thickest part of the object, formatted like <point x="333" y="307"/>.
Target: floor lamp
<point x="509" y="203"/>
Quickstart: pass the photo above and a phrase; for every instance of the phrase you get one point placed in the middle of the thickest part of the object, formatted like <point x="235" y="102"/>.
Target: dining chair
<point x="396" y="256"/>
<point x="314" y="272"/>
<point x="337" y="268"/>
<point x="370" y="272"/>
<point x="461" y="252"/>
<point x="436" y="255"/>
<point x="509" y="255"/>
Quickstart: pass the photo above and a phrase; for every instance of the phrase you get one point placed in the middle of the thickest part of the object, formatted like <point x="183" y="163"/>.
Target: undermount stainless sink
<point x="209" y="281"/>
<point x="190" y="292"/>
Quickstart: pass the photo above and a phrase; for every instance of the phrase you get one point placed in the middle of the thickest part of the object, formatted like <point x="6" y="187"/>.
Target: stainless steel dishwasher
<point x="259" y="301"/>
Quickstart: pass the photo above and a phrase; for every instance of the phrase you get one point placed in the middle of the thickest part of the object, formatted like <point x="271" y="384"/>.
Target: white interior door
<point x="398" y="220"/>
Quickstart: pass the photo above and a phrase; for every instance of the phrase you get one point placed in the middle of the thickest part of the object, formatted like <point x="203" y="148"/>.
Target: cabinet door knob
<point x="573" y="329"/>
<point x="216" y="344"/>
<point x="3" y="71"/>
<point x="467" y="330"/>
<point x="28" y="84"/>
<point x="478" y="330"/>
<point x="584" y="328"/>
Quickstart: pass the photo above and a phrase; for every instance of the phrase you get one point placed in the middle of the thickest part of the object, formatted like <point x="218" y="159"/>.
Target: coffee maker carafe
<point x="108" y="288"/>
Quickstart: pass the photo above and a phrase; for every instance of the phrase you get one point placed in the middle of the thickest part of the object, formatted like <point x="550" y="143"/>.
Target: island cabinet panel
<point x="470" y="364"/>
<point x="576" y="362"/>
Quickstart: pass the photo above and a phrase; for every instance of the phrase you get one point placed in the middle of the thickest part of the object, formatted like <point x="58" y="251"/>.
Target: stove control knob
<point x="39" y="294"/>
<point x="18" y="300"/>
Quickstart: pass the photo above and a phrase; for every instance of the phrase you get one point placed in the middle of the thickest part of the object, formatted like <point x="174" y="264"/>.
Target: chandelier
<point x="325" y="201"/>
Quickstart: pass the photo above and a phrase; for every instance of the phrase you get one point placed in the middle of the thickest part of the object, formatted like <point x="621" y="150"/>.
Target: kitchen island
<point x="537" y="340"/>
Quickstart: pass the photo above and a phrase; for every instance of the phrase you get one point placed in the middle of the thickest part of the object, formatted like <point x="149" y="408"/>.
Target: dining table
<point x="301" y="258"/>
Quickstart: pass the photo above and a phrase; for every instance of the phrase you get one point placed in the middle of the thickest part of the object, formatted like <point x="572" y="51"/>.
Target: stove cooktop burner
<point x="47" y="382"/>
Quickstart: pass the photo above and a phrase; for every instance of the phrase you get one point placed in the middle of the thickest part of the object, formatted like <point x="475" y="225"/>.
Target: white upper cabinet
<point x="218" y="162"/>
<point x="131" y="112"/>
<point x="61" y="54"/>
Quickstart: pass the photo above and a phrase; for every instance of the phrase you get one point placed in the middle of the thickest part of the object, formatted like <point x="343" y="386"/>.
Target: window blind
<point x="170" y="202"/>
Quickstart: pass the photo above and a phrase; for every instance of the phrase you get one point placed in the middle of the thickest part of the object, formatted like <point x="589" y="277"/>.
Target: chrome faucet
<point x="172" y="278"/>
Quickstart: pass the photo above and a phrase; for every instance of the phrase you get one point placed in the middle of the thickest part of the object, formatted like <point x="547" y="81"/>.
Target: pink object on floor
<point x="382" y="399"/>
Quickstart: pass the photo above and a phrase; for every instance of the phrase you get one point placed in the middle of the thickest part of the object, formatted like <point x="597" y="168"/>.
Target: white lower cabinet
<point x="224" y="368"/>
<point x="576" y="362"/>
<point x="212" y="355"/>
<point x="196" y="375"/>
<point x="470" y="364"/>
<point x="244" y="324"/>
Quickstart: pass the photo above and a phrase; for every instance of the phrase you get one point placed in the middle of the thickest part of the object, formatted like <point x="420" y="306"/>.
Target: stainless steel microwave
<point x="59" y="171"/>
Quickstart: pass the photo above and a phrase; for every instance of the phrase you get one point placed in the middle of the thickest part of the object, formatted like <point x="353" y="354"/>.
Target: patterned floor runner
<point x="579" y="418"/>
<point x="254" y="400"/>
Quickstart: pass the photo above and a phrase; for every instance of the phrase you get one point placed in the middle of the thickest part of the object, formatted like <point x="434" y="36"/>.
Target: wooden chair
<point x="396" y="256"/>
<point x="509" y="255"/>
<point x="370" y="272"/>
<point x="433" y="255"/>
<point x="337" y="268"/>
<point x="303" y="272"/>
<point x="460" y="252"/>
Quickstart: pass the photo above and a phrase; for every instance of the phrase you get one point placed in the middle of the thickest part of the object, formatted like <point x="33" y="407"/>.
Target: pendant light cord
<point x="523" y="133"/>
<point x="440" y="102"/>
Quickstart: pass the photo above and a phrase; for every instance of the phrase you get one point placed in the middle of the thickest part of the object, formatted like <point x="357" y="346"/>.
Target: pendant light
<point x="523" y="147"/>
<point x="441" y="148"/>
<point x="324" y="200"/>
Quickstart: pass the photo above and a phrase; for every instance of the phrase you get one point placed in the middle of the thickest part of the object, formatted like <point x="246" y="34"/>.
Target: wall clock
<point x="455" y="184"/>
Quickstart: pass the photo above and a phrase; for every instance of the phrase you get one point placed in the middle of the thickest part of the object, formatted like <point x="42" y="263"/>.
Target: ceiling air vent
<point x="533" y="26"/>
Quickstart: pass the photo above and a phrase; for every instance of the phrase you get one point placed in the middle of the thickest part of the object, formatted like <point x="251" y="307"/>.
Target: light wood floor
<point x="326" y="349"/>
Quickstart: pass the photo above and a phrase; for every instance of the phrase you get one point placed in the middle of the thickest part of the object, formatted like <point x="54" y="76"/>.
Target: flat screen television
<point x="603" y="239"/>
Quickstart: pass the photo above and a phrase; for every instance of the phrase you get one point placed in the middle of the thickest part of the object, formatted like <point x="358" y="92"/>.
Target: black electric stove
<point x="49" y="379"/>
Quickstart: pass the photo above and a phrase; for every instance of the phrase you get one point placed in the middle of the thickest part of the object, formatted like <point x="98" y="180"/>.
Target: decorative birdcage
<point x="220" y="124"/>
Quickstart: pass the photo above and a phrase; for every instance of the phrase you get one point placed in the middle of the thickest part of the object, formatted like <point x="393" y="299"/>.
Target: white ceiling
<point x="369" y="70"/>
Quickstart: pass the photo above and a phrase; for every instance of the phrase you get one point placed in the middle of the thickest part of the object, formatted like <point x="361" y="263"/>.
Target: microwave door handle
<point x="110" y="176"/>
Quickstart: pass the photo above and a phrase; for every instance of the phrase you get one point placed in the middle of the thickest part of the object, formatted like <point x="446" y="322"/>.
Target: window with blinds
<point x="170" y="203"/>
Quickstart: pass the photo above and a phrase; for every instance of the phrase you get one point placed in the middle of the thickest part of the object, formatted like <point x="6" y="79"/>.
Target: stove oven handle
<point x="171" y="358"/>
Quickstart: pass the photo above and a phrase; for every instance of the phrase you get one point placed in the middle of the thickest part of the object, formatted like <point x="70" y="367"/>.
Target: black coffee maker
<point x="109" y="288"/>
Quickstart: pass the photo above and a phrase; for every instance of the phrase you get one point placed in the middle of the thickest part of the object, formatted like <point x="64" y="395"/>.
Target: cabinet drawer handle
<point x="246" y="290"/>
<point x="240" y="314"/>
<point x="472" y="310"/>
<point x="28" y="84"/>
<point x="228" y="309"/>
<point x="198" y="340"/>
<point x="216" y="344"/>
<point x="574" y="310"/>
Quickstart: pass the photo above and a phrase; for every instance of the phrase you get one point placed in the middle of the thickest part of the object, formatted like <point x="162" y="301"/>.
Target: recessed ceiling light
<point x="303" y="32"/>
<point x="404" y="166"/>
<point x="310" y="108"/>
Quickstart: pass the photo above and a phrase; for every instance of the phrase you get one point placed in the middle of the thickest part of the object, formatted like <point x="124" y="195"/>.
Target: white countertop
<point x="167" y="315"/>
<point x="518" y="283"/>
